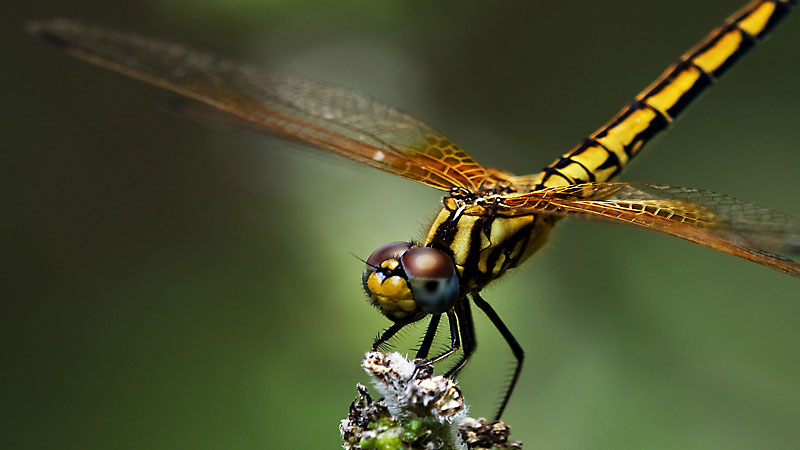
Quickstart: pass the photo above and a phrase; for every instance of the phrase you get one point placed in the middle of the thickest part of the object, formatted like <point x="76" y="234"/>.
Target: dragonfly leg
<point x="464" y="314"/>
<point x="386" y="335"/>
<point x="427" y="340"/>
<point x="516" y="349"/>
<point x="455" y="340"/>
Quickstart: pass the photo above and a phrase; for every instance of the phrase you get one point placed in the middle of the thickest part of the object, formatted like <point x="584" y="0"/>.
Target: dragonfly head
<point x="406" y="282"/>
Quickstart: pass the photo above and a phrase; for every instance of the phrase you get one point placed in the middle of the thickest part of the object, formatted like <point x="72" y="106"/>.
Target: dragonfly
<point x="491" y="220"/>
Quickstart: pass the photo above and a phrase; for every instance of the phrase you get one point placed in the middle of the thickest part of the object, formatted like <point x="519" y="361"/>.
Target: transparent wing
<point x="718" y="221"/>
<point x="332" y="118"/>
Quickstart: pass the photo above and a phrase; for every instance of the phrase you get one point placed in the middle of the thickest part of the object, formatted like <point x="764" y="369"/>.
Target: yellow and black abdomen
<point x="484" y="243"/>
<point x="603" y="154"/>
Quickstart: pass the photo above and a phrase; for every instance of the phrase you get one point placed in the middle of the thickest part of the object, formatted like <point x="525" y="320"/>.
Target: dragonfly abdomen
<point x="603" y="155"/>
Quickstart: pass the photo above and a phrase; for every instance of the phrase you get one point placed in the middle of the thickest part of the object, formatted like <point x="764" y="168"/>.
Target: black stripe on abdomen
<point x="666" y="98"/>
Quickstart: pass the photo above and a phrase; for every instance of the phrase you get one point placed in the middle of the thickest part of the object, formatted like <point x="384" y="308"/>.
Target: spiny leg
<point x="386" y="335"/>
<point x="427" y="340"/>
<point x="455" y="340"/>
<point x="464" y="314"/>
<point x="516" y="349"/>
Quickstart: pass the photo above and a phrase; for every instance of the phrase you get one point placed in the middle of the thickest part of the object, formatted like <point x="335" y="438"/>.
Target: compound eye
<point x="386" y="285"/>
<point x="393" y="250"/>
<point x="432" y="277"/>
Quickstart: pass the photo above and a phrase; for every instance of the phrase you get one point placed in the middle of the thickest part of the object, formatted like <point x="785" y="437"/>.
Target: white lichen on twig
<point x="418" y="411"/>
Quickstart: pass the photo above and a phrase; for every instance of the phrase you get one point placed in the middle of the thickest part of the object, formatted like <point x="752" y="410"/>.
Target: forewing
<point x="718" y="221"/>
<point x="329" y="117"/>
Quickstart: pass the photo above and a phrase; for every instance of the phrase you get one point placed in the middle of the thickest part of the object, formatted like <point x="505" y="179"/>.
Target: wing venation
<point x="329" y="117"/>
<point x="718" y="221"/>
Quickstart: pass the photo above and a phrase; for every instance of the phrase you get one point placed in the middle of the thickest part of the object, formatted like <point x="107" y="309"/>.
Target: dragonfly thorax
<point x="406" y="282"/>
<point x="484" y="238"/>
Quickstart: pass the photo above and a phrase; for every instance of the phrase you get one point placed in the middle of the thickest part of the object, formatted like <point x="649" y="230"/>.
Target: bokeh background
<point x="168" y="285"/>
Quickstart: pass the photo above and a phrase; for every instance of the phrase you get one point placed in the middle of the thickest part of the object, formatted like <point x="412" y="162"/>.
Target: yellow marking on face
<point x="393" y="287"/>
<point x="670" y="94"/>
<point x="393" y="297"/>
<point x="391" y="264"/>
<point x="716" y="55"/>
<point x="757" y="19"/>
<point x="398" y="305"/>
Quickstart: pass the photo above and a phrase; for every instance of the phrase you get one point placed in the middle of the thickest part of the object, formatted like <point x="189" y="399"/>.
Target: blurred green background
<point x="169" y="285"/>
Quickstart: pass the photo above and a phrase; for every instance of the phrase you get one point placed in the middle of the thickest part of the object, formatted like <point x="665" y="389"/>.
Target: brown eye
<point x="427" y="262"/>
<point x="393" y="250"/>
<point x="432" y="277"/>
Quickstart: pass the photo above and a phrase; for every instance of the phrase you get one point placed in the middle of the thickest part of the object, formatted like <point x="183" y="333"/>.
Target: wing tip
<point x="52" y="31"/>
